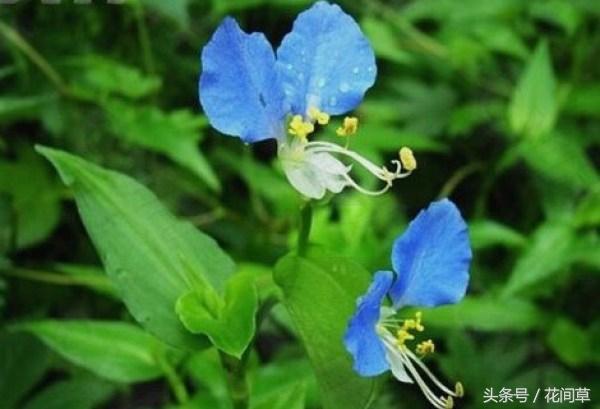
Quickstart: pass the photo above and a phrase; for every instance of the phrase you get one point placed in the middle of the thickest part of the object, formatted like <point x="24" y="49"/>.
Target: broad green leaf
<point x="173" y="9"/>
<point x="585" y="250"/>
<point x="501" y="38"/>
<point x="281" y="376"/>
<point x="320" y="294"/>
<point x="569" y="342"/>
<point x="385" y="41"/>
<point x="465" y="118"/>
<point x="584" y="100"/>
<point x="424" y="108"/>
<point x="559" y="12"/>
<point x="229" y="323"/>
<point x="23" y="107"/>
<point x="389" y="138"/>
<point x="23" y="362"/>
<point x="264" y="180"/>
<point x="560" y="159"/>
<point x="151" y="257"/>
<point x="291" y="397"/>
<point x="487" y="314"/>
<point x="488" y="233"/>
<point x="97" y="76"/>
<point x="533" y="108"/>
<point x="78" y="393"/>
<point x="548" y="253"/>
<point x="114" y="350"/>
<point x="175" y="134"/>
<point x="588" y="211"/>
<point x="34" y="196"/>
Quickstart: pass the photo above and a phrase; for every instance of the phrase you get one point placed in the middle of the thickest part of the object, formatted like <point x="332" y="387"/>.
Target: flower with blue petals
<point x="323" y="67"/>
<point x="431" y="267"/>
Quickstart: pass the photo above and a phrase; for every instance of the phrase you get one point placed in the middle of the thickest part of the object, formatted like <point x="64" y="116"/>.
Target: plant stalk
<point x="305" y="225"/>
<point x="237" y="384"/>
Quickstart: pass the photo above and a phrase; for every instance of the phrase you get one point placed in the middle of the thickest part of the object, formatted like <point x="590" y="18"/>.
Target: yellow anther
<point x="459" y="390"/>
<point x="425" y="348"/>
<point x="349" y="126"/>
<point x="402" y="336"/>
<point x="322" y="118"/>
<point x="448" y="402"/>
<point x="300" y="128"/>
<point x="407" y="158"/>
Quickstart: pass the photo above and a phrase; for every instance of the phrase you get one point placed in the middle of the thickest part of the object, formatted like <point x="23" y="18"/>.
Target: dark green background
<point x="499" y="99"/>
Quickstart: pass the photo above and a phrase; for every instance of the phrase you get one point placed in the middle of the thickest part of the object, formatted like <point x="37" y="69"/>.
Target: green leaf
<point x="23" y="107"/>
<point x="175" y="134"/>
<point x="533" y="108"/>
<point x="229" y="323"/>
<point x="320" y="294"/>
<point x="560" y="159"/>
<point x="114" y="350"/>
<point x="548" y="253"/>
<point x="385" y="41"/>
<point x="151" y="257"/>
<point x="291" y="397"/>
<point x="98" y="76"/>
<point x="84" y="393"/>
<point x="569" y="342"/>
<point x="23" y="362"/>
<point x="487" y="314"/>
<point x="173" y="9"/>
<point x="489" y="233"/>
<point x="588" y="211"/>
<point x="281" y="377"/>
<point x="584" y="100"/>
<point x="559" y="12"/>
<point x="36" y="203"/>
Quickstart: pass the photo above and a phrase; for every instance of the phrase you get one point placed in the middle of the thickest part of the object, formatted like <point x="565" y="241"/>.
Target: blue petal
<point x="325" y="61"/>
<point x="361" y="338"/>
<point x="432" y="258"/>
<point x="239" y="88"/>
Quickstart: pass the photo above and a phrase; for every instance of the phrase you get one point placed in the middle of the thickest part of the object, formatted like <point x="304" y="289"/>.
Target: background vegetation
<point x="500" y="100"/>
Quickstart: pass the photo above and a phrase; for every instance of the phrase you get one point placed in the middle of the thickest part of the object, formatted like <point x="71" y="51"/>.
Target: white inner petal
<point x="392" y="354"/>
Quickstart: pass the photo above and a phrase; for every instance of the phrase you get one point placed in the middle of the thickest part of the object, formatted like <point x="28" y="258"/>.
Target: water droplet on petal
<point x="333" y="101"/>
<point x="290" y="66"/>
<point x="301" y="76"/>
<point x="344" y="87"/>
<point x="371" y="69"/>
<point x="321" y="82"/>
<point x="356" y="70"/>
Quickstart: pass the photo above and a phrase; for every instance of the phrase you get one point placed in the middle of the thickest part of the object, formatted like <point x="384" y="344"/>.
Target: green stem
<point x="175" y="382"/>
<point x="144" y="37"/>
<point x="305" y="224"/>
<point x="13" y="37"/>
<point x="236" y="379"/>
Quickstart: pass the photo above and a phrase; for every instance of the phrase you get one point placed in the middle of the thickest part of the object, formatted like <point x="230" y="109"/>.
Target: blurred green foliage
<point x="500" y="100"/>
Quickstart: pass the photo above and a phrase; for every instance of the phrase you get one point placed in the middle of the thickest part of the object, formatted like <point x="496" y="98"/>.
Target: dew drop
<point x="321" y="82"/>
<point x="301" y="76"/>
<point x="344" y="87"/>
<point x="371" y="69"/>
<point x="333" y="101"/>
<point x="356" y="70"/>
<point x="290" y="66"/>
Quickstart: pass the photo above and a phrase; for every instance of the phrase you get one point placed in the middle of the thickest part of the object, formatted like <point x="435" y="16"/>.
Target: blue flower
<point x="323" y="67"/>
<point x="431" y="267"/>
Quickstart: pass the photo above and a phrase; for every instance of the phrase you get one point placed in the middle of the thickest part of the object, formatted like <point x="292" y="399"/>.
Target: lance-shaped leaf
<point x="320" y="294"/>
<point x="152" y="258"/>
<point x="114" y="350"/>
